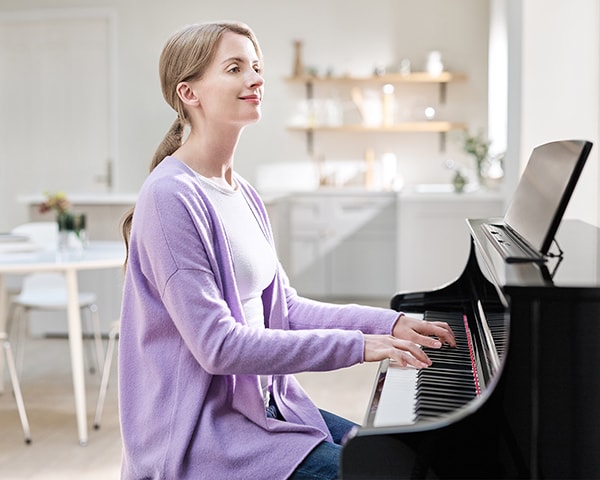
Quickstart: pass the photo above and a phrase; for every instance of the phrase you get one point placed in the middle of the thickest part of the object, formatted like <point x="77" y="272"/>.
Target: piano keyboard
<point x="408" y="395"/>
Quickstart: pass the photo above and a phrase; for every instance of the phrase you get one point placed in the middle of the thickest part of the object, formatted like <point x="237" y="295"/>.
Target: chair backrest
<point x="46" y="281"/>
<point x="44" y="234"/>
<point x="43" y="290"/>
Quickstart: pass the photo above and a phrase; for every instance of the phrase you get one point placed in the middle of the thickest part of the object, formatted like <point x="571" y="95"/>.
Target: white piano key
<point x="397" y="400"/>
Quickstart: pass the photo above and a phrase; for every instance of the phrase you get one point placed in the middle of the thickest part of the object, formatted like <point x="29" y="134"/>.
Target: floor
<point x="54" y="452"/>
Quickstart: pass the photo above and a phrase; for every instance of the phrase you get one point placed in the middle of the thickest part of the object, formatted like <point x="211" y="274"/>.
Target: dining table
<point x="22" y="257"/>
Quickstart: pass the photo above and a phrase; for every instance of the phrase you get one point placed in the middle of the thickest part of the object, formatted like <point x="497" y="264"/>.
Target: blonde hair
<point x="185" y="57"/>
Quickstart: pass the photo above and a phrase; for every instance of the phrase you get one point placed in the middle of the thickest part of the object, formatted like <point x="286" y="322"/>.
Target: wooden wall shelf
<point x="415" y="77"/>
<point x="441" y="127"/>
<point x="404" y="127"/>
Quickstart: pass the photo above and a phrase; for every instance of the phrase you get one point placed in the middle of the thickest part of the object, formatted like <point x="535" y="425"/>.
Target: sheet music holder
<point x="533" y="217"/>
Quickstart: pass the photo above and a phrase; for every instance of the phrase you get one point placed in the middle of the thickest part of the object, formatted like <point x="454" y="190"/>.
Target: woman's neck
<point x="210" y="155"/>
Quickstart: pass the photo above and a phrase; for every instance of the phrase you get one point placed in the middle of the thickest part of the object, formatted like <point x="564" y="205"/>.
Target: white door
<point x="56" y="106"/>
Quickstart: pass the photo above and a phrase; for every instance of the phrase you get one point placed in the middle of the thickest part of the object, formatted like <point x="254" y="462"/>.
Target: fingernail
<point x="437" y="344"/>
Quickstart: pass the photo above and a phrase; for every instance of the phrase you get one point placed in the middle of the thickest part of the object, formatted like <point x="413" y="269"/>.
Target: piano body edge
<point x="539" y="416"/>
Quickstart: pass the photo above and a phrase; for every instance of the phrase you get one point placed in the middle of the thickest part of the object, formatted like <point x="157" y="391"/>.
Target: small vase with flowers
<point x="71" y="226"/>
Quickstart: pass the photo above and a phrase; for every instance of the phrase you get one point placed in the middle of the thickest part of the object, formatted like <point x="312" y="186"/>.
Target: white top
<point x="254" y="260"/>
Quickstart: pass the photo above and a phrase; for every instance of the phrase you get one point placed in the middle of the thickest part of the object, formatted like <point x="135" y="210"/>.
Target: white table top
<point x="85" y="198"/>
<point x="21" y="257"/>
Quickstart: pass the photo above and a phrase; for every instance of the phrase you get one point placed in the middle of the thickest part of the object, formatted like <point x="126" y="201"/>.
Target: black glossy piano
<point x="520" y="395"/>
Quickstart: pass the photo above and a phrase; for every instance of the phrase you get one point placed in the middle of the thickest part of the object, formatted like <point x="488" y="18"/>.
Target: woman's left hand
<point x="424" y="333"/>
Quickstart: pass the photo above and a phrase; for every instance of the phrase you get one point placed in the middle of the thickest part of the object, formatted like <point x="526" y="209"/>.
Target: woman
<point x="211" y="331"/>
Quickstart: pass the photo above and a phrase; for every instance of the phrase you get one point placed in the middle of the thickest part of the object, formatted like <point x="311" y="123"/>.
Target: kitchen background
<point x="83" y="113"/>
<point x="544" y="53"/>
<point x="115" y="110"/>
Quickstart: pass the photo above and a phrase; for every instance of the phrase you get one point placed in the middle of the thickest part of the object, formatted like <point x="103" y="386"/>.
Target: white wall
<point x="348" y="36"/>
<point x="556" y="77"/>
<point x="553" y="72"/>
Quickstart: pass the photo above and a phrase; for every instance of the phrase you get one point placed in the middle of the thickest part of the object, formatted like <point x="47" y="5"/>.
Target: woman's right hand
<point x="404" y="352"/>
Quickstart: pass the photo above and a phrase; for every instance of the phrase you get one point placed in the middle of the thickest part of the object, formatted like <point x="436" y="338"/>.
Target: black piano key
<point x="431" y="403"/>
<point x="438" y="402"/>
<point x="442" y="380"/>
<point x="447" y="387"/>
<point x="445" y="394"/>
<point x="449" y="382"/>
<point x="456" y="366"/>
<point x="434" y="411"/>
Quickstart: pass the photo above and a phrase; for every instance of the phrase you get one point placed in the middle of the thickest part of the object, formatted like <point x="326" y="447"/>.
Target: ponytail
<point x="170" y="143"/>
<point x="168" y="146"/>
<point x="126" y="231"/>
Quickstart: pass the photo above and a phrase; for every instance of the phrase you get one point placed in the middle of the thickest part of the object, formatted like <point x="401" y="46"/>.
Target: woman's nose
<point x="256" y="79"/>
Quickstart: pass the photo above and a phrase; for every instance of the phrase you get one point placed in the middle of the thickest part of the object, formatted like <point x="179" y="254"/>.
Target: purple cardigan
<point x="190" y="399"/>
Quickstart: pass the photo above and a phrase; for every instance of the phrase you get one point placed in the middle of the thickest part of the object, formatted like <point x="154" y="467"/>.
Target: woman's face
<point x="231" y="89"/>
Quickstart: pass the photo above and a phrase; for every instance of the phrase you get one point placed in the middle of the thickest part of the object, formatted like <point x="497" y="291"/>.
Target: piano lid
<point x="578" y="266"/>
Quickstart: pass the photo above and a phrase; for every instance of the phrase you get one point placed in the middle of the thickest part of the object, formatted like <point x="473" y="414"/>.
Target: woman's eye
<point x="234" y="69"/>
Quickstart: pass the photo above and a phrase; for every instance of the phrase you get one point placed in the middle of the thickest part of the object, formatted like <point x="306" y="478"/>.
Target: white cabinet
<point x="434" y="238"/>
<point x="359" y="246"/>
<point x="342" y="245"/>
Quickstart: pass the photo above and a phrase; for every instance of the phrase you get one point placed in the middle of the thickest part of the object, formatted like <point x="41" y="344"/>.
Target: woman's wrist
<point x="402" y="314"/>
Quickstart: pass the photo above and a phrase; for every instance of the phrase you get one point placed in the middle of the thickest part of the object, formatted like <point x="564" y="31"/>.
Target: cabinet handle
<point x="328" y="233"/>
<point x="351" y="207"/>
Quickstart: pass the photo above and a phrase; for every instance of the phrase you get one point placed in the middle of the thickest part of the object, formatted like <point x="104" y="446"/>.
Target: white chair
<point x="48" y="292"/>
<point x="12" y="372"/>
<point x="43" y="234"/>
<point x="112" y="340"/>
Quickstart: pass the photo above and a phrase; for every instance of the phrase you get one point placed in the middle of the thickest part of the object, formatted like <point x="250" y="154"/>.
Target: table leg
<point x="3" y="321"/>
<point x="76" y="347"/>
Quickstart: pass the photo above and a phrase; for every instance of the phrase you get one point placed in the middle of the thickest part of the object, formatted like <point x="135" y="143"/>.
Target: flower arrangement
<point x="71" y="226"/>
<point x="67" y="220"/>
<point x="479" y="147"/>
<point x="55" y="201"/>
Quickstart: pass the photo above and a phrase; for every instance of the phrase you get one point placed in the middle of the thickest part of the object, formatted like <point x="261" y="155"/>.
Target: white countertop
<point x="415" y="193"/>
<point x="86" y="198"/>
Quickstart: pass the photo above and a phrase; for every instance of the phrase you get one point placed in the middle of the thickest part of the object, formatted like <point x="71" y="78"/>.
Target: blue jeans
<point x="322" y="463"/>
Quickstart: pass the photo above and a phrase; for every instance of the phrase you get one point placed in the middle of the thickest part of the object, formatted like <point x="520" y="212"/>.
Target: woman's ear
<point x="187" y="94"/>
